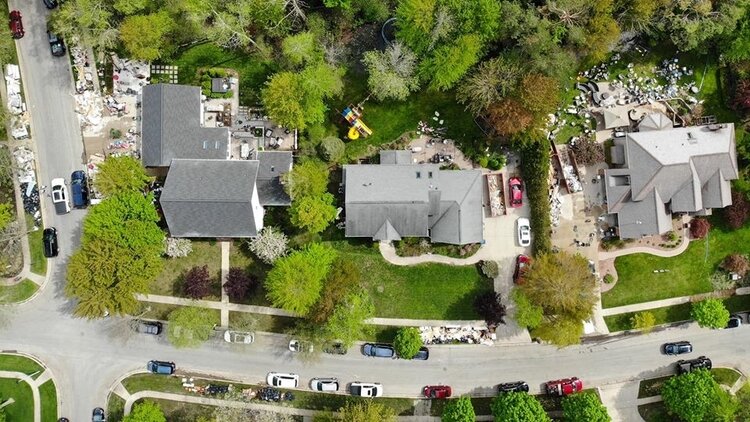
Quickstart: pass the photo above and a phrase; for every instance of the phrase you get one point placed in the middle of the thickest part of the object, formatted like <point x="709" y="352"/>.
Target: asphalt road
<point x="87" y="357"/>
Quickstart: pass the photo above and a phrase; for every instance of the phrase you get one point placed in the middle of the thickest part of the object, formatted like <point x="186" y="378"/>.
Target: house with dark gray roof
<point x="397" y="199"/>
<point x="172" y="127"/>
<point x="669" y="170"/>
<point x="271" y="165"/>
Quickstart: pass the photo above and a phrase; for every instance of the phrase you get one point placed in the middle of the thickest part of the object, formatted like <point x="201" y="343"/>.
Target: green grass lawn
<point x="19" y="364"/>
<point x="204" y="253"/>
<point x="725" y="376"/>
<point x="23" y="407"/>
<point x="48" y="397"/>
<point x="688" y="272"/>
<point x="18" y="292"/>
<point x="652" y="387"/>
<point x="261" y="322"/>
<point x="427" y="291"/>
<point x="655" y="412"/>
<point x="142" y="382"/>
<point x="178" y="411"/>
<point x="116" y="407"/>
<point x="38" y="261"/>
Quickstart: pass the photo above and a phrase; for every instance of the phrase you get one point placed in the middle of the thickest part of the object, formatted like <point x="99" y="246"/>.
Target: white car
<point x="281" y="380"/>
<point x="524" y="231"/>
<point x="324" y="384"/>
<point x="366" y="389"/>
<point x="238" y="337"/>
<point x="300" y="346"/>
<point x="60" y="196"/>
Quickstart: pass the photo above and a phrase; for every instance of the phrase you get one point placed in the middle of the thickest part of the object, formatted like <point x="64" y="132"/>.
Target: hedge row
<point x="535" y="162"/>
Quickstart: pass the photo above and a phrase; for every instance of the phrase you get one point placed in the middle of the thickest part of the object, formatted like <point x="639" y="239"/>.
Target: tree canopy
<point x="147" y="36"/>
<point x="407" y="342"/>
<point x="392" y="73"/>
<point x="367" y="411"/>
<point x="459" y="410"/>
<point x="584" y="407"/>
<point x="308" y="178"/>
<point x="710" y="313"/>
<point x="517" y="407"/>
<point x="190" y="326"/>
<point x="146" y="411"/>
<point x="120" y="174"/>
<point x="690" y="396"/>
<point x="313" y="213"/>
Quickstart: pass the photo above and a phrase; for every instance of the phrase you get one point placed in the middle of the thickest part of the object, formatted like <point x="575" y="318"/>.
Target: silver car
<point x="238" y="337"/>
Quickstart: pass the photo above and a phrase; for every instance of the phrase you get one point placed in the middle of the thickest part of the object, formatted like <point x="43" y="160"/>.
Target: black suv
<point x="56" y="44"/>
<point x="513" y="387"/>
<point x="49" y="239"/>
<point x="677" y="348"/>
<point x="685" y="366"/>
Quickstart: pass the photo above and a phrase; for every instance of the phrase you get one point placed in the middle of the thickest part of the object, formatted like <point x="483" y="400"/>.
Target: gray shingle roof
<point x="395" y="157"/>
<point x="211" y="198"/>
<point x="172" y="128"/>
<point x="391" y="201"/>
<point x="688" y="168"/>
<point x="272" y="165"/>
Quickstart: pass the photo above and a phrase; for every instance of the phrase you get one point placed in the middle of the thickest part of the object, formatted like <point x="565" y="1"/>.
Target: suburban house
<point x="660" y="170"/>
<point x="206" y="193"/>
<point x="397" y="199"/>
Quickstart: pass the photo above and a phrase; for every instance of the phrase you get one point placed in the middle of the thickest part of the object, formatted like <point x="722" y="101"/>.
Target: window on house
<point x="419" y="175"/>
<point x="429" y="175"/>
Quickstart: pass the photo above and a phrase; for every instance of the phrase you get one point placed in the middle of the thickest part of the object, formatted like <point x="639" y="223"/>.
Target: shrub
<point x="644" y="320"/>
<point x="699" y="228"/>
<point x="588" y="152"/>
<point x="407" y="342"/>
<point x="535" y="161"/>
<point x="737" y="214"/>
<point x="490" y="269"/>
<point x="489" y="307"/>
<point x="720" y="281"/>
<point x="197" y="282"/>
<point x="608" y="278"/>
<point x="239" y="284"/>
<point x="736" y="263"/>
<point x="177" y="247"/>
<point x="671" y="236"/>
<point x="332" y="149"/>
<point x="483" y="162"/>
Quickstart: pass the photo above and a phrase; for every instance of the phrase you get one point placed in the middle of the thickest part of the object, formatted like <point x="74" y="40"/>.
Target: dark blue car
<point x="79" y="189"/>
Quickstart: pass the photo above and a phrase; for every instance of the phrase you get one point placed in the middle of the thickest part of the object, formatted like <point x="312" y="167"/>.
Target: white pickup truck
<point x="60" y="196"/>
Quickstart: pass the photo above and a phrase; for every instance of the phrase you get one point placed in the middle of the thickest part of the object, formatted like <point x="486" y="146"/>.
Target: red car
<point x="437" y="391"/>
<point x="16" y="26"/>
<point x="516" y="192"/>
<point x="522" y="262"/>
<point x="564" y="387"/>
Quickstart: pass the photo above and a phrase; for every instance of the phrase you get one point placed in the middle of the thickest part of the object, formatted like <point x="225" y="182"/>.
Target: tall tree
<point x="539" y="94"/>
<point x="559" y="330"/>
<point x="190" y="326"/>
<point x="489" y="83"/>
<point x="313" y="213"/>
<point x="86" y="22"/>
<point x="120" y="174"/>
<point x="146" y="37"/>
<point x="526" y="313"/>
<point x="489" y="306"/>
<point x="509" y="117"/>
<point x="342" y="281"/>
<point x="458" y="410"/>
<point x="282" y="98"/>
<point x="584" y="407"/>
<point x="129" y="220"/>
<point x="347" y="322"/>
<point x="689" y="396"/>
<point x="295" y="282"/>
<point x="270" y="244"/>
<point x="301" y="48"/>
<point x="518" y="407"/>
<point x="146" y="411"/>
<point x="450" y="63"/>
<point x="710" y="313"/>
<point x="307" y="178"/>
<point x="392" y="73"/>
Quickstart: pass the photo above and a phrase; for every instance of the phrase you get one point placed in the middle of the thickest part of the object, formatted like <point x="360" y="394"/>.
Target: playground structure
<point x="353" y="115"/>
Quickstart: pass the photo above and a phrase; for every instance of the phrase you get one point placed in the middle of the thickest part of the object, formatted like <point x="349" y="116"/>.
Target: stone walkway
<point x="389" y="254"/>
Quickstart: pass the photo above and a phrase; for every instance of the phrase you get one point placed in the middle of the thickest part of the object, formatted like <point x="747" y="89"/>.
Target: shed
<point x="219" y="85"/>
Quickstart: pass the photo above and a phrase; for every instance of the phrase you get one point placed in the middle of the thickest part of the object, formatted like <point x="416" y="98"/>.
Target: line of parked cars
<point x="15" y="23"/>
<point x="382" y="350"/>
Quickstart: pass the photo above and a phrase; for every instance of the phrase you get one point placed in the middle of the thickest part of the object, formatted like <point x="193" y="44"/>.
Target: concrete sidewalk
<point x="637" y="307"/>
<point x="34" y="391"/>
<point x="621" y="400"/>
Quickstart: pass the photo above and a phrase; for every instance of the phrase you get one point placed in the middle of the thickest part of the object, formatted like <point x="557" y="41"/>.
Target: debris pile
<point x="555" y="206"/>
<point x="456" y="334"/>
<point x="129" y="76"/>
<point x="495" y="191"/>
<point x="16" y="105"/>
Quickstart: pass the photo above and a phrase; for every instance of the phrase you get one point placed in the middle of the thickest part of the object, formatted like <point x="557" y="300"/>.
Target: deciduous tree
<point x="392" y="73"/>
<point x="176" y="247"/>
<point x="7" y="214"/>
<point x="282" y="98"/>
<point x="313" y="213"/>
<point x="239" y="284"/>
<point x="742" y="95"/>
<point x="146" y="411"/>
<point x="492" y="81"/>
<point x="561" y="331"/>
<point x="489" y="306"/>
<point x="270" y="244"/>
<point x="342" y="281"/>
<point x="699" y="228"/>
<point x="197" y="282"/>
<point x="85" y="22"/>
<point x="295" y="282"/>
<point x="509" y="117"/>
<point x="146" y="37"/>
<point x="407" y="342"/>
<point x="120" y="174"/>
<point x="190" y="326"/>
<point x="736" y="263"/>
<point x="737" y="214"/>
<point x="539" y="94"/>
<point x="309" y="178"/>
<point x="347" y="322"/>
<point x="526" y="314"/>
<point x="332" y="149"/>
<point x="449" y="63"/>
<point x="710" y="313"/>
<point x="301" y="48"/>
<point x="584" y="407"/>
<point x="367" y="411"/>
<point x="129" y="220"/>
<point x="459" y="410"/>
<point x="689" y="396"/>
<point x="644" y="320"/>
<point x="518" y="407"/>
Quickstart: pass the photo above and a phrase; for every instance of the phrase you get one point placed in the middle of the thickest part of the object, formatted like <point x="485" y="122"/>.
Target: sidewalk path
<point x="636" y="307"/>
<point x="621" y="400"/>
<point x="34" y="390"/>
<point x="389" y="254"/>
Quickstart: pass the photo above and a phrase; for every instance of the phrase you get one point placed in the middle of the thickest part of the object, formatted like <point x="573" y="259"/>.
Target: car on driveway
<point x="378" y="350"/>
<point x="366" y="389"/>
<point x="161" y="367"/>
<point x="437" y="391"/>
<point x="98" y="415"/>
<point x="16" y="24"/>
<point x="524" y="231"/>
<point x="324" y="384"/>
<point x="60" y="196"/>
<point x="513" y="387"/>
<point x="734" y="321"/>
<point x="282" y="380"/>
<point x="515" y="187"/>
<point x="685" y="366"/>
<point x="563" y="387"/>
<point x="149" y="327"/>
<point x="301" y="346"/>
<point x="49" y="242"/>
<point x="238" y="337"/>
<point x="522" y="262"/>
<point x="335" y="348"/>
<point x="677" y="348"/>
<point x="56" y="44"/>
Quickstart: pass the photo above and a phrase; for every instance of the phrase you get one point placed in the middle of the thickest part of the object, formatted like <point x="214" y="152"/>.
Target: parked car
<point x="524" y="231"/>
<point x="513" y="387"/>
<point x="422" y="354"/>
<point x="301" y="346"/>
<point x="366" y="389"/>
<point x="56" y="44"/>
<point x="685" y="366"/>
<point x="437" y="391"/>
<point x="378" y="350"/>
<point x="51" y="4"/>
<point x="677" y="348"/>
<point x="734" y="321"/>
<point x="49" y="241"/>
<point x="515" y="187"/>
<point x="16" y="24"/>
<point x="563" y="387"/>
<point x="335" y="348"/>
<point x="282" y="380"/>
<point x="618" y="134"/>
<point x="98" y="415"/>
<point x="522" y="262"/>
<point x="238" y="337"/>
<point x="60" y="196"/>
<point x="149" y="327"/>
<point x="79" y="189"/>
<point x="161" y="367"/>
<point x="63" y="420"/>
<point x="324" y="384"/>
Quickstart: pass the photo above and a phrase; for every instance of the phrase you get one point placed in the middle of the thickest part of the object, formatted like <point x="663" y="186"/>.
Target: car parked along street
<point x="161" y="367"/>
<point x="677" y="348"/>
<point x="282" y="380"/>
<point x="378" y="350"/>
<point x="324" y="384"/>
<point x="148" y="327"/>
<point x="49" y="241"/>
<point x="16" y="24"/>
<point x="366" y="389"/>
<point x="513" y="387"/>
<point x="437" y="391"/>
<point x="685" y="366"/>
<point x="60" y="196"/>
<point x="56" y="44"/>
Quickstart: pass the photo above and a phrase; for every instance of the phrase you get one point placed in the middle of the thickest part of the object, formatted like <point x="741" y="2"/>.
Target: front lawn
<point x="18" y="292"/>
<point x="180" y="410"/>
<point x="655" y="412"/>
<point x="21" y="364"/>
<point x="425" y="291"/>
<point x="205" y="252"/>
<point x="22" y="409"/>
<point x="48" y="397"/>
<point x="665" y="315"/>
<point x="37" y="262"/>
<point x="687" y="273"/>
